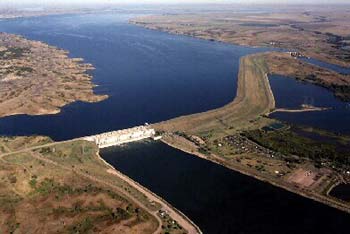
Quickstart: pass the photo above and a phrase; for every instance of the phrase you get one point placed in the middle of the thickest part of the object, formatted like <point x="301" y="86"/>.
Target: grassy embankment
<point x="254" y="99"/>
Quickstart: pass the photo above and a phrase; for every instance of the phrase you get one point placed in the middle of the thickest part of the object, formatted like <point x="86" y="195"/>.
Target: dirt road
<point x="176" y="215"/>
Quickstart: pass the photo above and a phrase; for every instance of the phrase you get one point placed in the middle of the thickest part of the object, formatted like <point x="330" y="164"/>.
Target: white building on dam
<point x="108" y="139"/>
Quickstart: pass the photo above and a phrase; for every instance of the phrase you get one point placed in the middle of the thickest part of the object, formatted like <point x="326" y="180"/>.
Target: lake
<point x="153" y="76"/>
<point x="150" y="76"/>
<point x="219" y="200"/>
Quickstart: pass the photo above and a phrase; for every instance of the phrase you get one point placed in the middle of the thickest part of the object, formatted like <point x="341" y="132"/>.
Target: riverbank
<point x="255" y="174"/>
<point x="175" y="214"/>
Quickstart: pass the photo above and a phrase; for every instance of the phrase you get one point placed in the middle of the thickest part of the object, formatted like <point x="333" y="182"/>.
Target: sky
<point x="58" y="2"/>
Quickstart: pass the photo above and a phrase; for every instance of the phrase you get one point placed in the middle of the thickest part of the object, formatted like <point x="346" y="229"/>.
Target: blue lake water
<point x="290" y="93"/>
<point x="149" y="75"/>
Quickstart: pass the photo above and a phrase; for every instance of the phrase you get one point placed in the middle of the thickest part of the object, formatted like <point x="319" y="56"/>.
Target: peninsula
<point x="37" y="79"/>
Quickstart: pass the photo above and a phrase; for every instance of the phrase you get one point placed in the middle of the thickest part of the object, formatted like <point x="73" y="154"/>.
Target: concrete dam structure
<point x="108" y="139"/>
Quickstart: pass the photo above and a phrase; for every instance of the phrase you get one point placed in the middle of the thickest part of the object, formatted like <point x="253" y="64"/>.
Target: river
<point x="219" y="200"/>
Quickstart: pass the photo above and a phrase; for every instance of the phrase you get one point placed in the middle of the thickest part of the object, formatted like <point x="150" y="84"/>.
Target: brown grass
<point x="38" y="79"/>
<point x="284" y="64"/>
<point x="41" y="194"/>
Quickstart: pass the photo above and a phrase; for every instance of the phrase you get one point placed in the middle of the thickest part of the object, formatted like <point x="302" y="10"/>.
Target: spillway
<point x="113" y="138"/>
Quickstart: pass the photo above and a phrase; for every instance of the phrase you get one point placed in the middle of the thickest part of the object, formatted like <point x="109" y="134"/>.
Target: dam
<point x="119" y="137"/>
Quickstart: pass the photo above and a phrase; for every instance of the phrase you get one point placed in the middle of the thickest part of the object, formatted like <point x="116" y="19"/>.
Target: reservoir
<point x="219" y="200"/>
<point x="150" y="76"/>
<point x="153" y="76"/>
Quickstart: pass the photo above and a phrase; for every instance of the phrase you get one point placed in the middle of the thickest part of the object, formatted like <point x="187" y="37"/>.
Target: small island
<point x="37" y="79"/>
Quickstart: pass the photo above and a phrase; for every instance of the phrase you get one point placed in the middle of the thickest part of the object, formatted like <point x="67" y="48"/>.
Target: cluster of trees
<point x="291" y="143"/>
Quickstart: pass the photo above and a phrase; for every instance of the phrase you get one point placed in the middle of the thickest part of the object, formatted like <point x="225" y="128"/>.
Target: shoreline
<point x="54" y="112"/>
<point x="174" y="213"/>
<point x="154" y="27"/>
<point x="216" y="159"/>
<point x="40" y="68"/>
<point x="139" y="24"/>
<point x="165" y="23"/>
